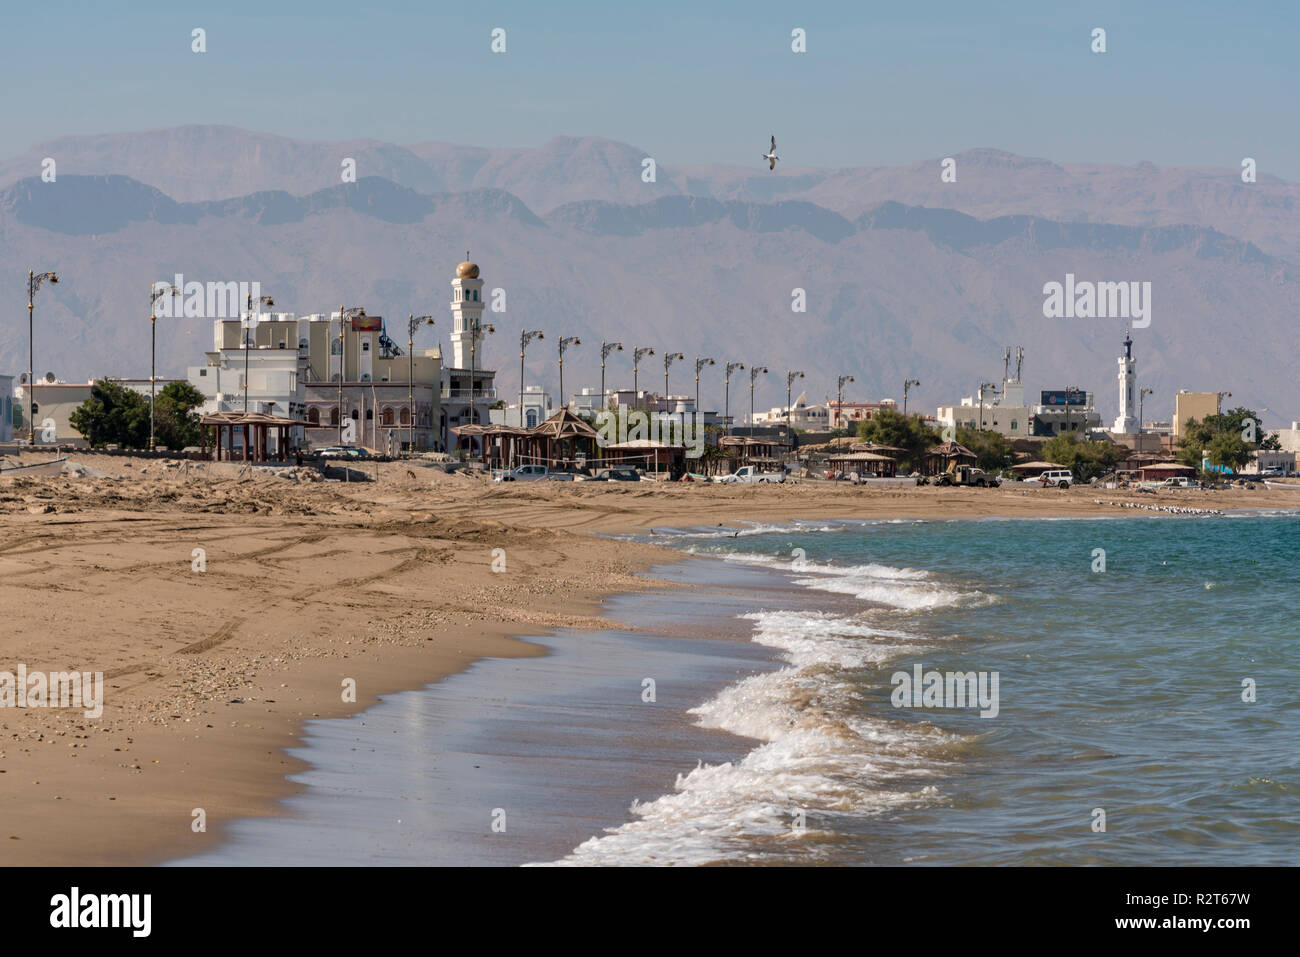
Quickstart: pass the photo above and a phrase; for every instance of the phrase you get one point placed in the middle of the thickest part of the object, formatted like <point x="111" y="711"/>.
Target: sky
<point x="1185" y="84"/>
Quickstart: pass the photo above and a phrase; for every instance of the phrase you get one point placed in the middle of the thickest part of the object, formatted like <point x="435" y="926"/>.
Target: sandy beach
<point x="212" y="662"/>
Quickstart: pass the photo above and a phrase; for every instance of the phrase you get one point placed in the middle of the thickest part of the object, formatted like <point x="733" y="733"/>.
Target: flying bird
<point x="771" y="156"/>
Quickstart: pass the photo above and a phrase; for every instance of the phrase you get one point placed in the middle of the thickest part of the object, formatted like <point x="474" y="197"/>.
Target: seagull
<point x="771" y="156"/>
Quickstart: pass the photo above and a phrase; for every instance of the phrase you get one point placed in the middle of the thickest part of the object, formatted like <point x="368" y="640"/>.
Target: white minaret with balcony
<point x="1127" y="422"/>
<point x="466" y="316"/>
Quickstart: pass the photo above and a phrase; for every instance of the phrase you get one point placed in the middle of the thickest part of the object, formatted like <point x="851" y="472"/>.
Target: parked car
<point x="535" y="473"/>
<point x="617" y="473"/>
<point x="748" y="473"/>
<point x="344" y="452"/>
<point x="1178" y="481"/>
<point x="1054" y="478"/>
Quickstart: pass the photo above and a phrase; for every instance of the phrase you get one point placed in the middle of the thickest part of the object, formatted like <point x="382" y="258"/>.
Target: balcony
<point x="464" y="395"/>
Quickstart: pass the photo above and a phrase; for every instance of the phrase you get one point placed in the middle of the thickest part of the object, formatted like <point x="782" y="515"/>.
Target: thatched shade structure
<point x="865" y="463"/>
<point x="256" y="428"/>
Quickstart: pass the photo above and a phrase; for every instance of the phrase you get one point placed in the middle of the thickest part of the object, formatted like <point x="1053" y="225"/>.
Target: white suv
<point x="1055" y="478"/>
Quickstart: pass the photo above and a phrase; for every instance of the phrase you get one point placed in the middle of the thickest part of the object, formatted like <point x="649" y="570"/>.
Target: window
<point x="1014" y="425"/>
<point x="334" y="416"/>
<point x="355" y="416"/>
<point x="370" y="414"/>
<point x="365" y="377"/>
<point x="203" y="372"/>
<point x="388" y="416"/>
<point x="406" y="416"/>
<point x="313" y="416"/>
<point x="365" y="345"/>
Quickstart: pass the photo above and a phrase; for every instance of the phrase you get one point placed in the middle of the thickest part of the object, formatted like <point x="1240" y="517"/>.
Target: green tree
<point x="992" y="450"/>
<point x="176" y="423"/>
<point x="1087" y="460"/>
<point x="1227" y="439"/>
<point x="890" y="427"/>
<point x="112" y="414"/>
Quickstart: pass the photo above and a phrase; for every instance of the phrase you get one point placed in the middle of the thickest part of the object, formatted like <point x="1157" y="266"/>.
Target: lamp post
<point x="789" y="381"/>
<point x="605" y="349"/>
<point x="1218" y="403"/>
<point x="565" y="342"/>
<point x="412" y="322"/>
<point x="261" y="301"/>
<point x="34" y="281"/>
<point x="156" y="292"/>
<point x="754" y="373"/>
<point x="344" y="316"/>
<point x="839" y="396"/>
<point x="475" y="330"/>
<point x="726" y="383"/>
<point x="637" y="355"/>
<point x="1142" y="394"/>
<point x="525" y="337"/>
<point x="1069" y="391"/>
<point x="669" y="358"/>
<point x="907" y="386"/>
<point x="700" y="364"/>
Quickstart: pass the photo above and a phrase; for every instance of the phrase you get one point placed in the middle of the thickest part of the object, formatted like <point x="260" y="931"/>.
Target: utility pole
<point x="565" y="342"/>
<point x="1142" y="394"/>
<point x="839" y="396"/>
<point x="700" y="364"/>
<point x="906" y="388"/>
<point x="412" y="322"/>
<point x="754" y="373"/>
<point x="156" y="292"/>
<point x="637" y="355"/>
<point x="247" y="330"/>
<point x="605" y="349"/>
<point x="668" y="361"/>
<point x="726" y="382"/>
<point x="525" y="337"/>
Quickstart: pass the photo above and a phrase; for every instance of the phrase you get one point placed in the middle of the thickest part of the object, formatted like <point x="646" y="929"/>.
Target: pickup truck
<point x="748" y="473"/>
<point x="968" y="475"/>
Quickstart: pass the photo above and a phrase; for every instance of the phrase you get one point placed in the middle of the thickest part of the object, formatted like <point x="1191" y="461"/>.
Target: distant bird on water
<point x="771" y="156"/>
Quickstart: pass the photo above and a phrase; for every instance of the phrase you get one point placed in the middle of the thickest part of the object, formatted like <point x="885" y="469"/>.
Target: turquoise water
<point x="1120" y="693"/>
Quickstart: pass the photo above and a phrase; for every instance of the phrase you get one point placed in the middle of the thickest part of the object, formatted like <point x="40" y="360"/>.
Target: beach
<point x="214" y="659"/>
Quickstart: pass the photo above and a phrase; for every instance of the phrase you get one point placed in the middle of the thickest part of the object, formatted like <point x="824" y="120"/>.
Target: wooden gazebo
<point x="940" y="458"/>
<point x="865" y="464"/>
<point x="560" y="438"/>
<point x="256" y="429"/>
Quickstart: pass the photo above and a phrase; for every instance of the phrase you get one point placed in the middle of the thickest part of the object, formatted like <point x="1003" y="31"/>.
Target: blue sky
<point x="1189" y="83"/>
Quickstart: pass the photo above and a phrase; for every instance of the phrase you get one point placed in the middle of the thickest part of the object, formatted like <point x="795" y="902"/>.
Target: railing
<point x="469" y="393"/>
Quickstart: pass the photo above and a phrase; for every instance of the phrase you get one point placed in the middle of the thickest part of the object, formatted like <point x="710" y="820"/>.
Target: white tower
<point x="466" y="313"/>
<point x="1127" y="422"/>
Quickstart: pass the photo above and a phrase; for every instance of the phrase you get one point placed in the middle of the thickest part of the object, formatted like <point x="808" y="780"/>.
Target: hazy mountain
<point x="199" y="163"/>
<point x="897" y="291"/>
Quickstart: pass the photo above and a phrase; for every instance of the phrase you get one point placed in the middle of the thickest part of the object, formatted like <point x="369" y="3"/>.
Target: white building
<point x="1127" y="421"/>
<point x="269" y="370"/>
<point x="811" y="418"/>
<point x="537" y="408"/>
<point x="468" y="390"/>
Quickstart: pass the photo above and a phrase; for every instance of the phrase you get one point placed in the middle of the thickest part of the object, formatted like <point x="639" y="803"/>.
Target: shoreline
<point x="212" y="676"/>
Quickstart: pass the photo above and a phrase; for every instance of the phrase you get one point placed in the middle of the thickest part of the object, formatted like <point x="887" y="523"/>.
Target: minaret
<point x="1127" y="422"/>
<point x="466" y="315"/>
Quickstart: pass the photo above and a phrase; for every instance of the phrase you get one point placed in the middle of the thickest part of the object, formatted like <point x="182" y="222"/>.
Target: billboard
<point x="367" y="323"/>
<point x="1058" y="397"/>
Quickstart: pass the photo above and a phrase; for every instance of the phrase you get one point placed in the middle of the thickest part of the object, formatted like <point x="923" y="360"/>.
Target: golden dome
<point x="467" y="270"/>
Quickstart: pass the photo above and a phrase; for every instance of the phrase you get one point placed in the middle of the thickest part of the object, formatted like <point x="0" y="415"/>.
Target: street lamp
<point x="1218" y="404"/>
<point x="700" y="364"/>
<point x="726" y="383"/>
<point x="344" y="316"/>
<point x="668" y="361"/>
<point x="525" y="337"/>
<point x="475" y="329"/>
<point x="1142" y="394"/>
<point x="907" y="386"/>
<point x="637" y="355"/>
<point x="565" y="342"/>
<point x="156" y="292"/>
<point x="1069" y="391"/>
<point x="412" y="323"/>
<point x="34" y="281"/>
<point x="261" y="301"/>
<point x="789" y="381"/>
<point x="839" y="396"/>
<point x="754" y="373"/>
<point x="605" y="349"/>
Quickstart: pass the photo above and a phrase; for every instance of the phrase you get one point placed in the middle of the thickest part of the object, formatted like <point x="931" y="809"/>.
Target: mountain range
<point x="904" y="276"/>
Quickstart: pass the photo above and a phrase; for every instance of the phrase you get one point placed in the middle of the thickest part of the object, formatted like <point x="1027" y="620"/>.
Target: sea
<point x="1109" y="691"/>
